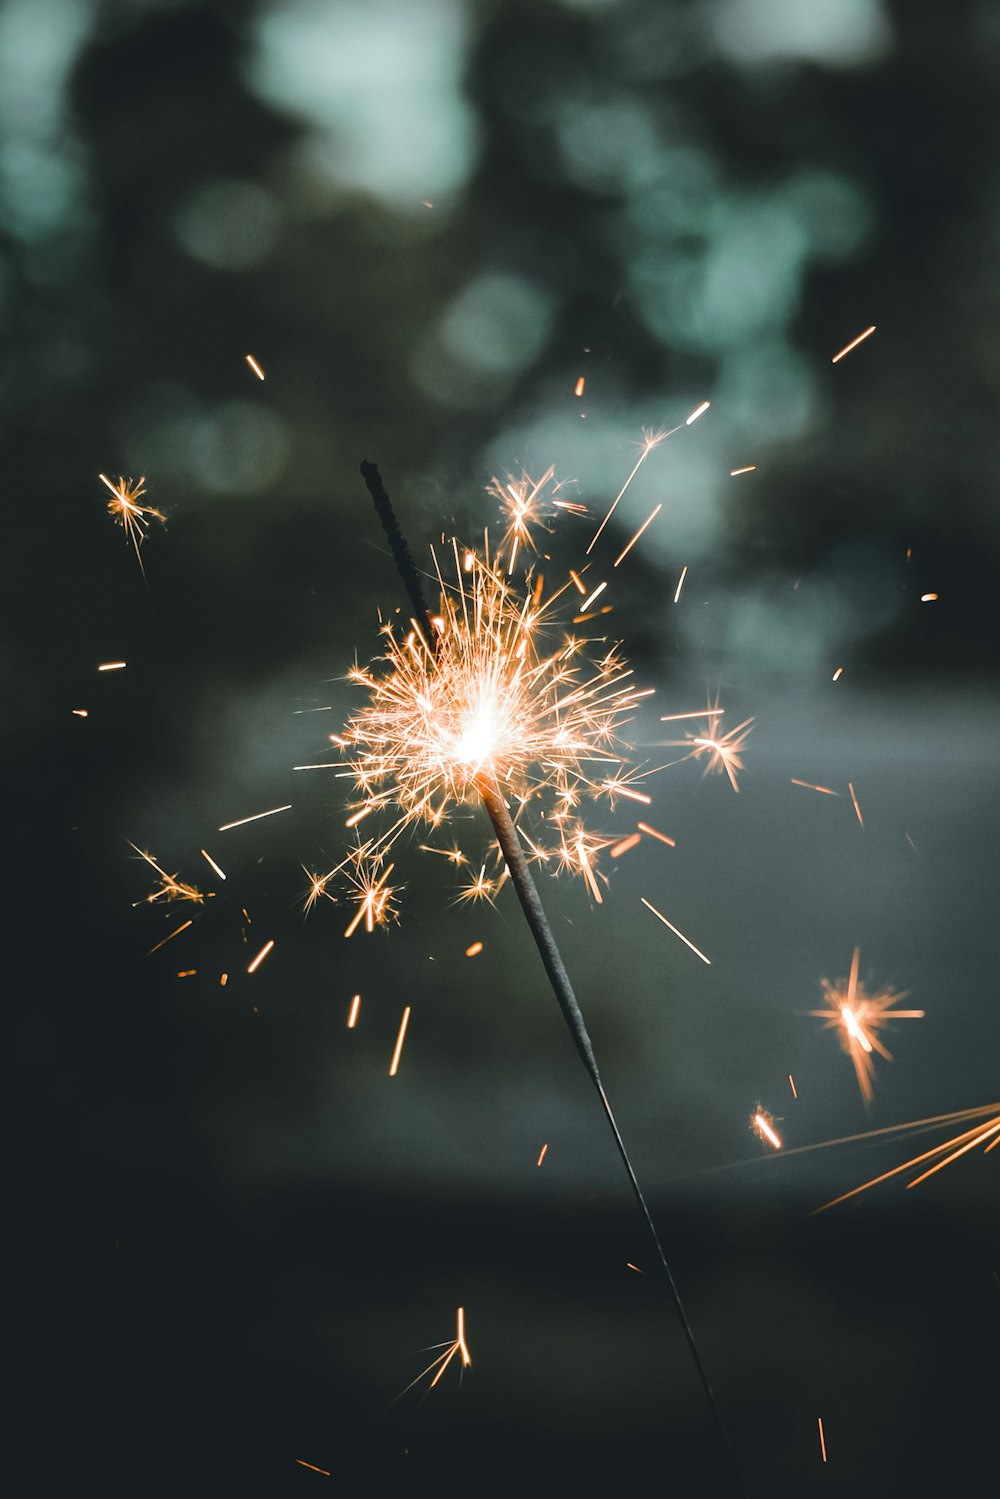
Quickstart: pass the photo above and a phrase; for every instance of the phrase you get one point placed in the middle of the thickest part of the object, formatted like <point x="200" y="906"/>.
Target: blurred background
<point x="473" y="239"/>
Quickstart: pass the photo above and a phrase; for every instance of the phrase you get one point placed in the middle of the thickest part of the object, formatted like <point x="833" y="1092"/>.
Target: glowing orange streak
<point x="649" y="443"/>
<point x="837" y="674"/>
<point x="399" y="1043"/>
<point x="697" y="412"/>
<point x="352" y="1018"/>
<point x="595" y="595"/>
<point x="977" y="1131"/>
<point x="984" y="1134"/>
<point x="260" y="956"/>
<point x="644" y="827"/>
<point x="175" y="933"/>
<point x="541" y="1154"/>
<point x="763" y="1127"/>
<point x="578" y="387"/>
<point x="928" y="598"/>
<point x="213" y="863"/>
<point x="822" y="1438"/>
<point x="649" y="519"/>
<point x="625" y="845"/>
<point x="680" y="582"/>
<point x="299" y="1460"/>
<point x="750" y="468"/>
<point x="853" y="344"/>
<point x="791" y="1081"/>
<point x="241" y="820"/>
<point x="702" y="713"/>
<point x="460" y="1338"/>
<point x="474" y="950"/>
<point x="854" y="799"/>
<point x="660" y="917"/>
<point x="636" y="796"/>
<point x="810" y="787"/>
<point x="112" y="666"/>
<point x="79" y="713"/>
<point x="251" y="361"/>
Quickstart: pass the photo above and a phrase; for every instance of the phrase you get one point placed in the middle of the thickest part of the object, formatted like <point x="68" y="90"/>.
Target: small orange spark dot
<point x="112" y="666"/>
<point x="542" y="1154"/>
<point x="260" y="956"/>
<point x="187" y="973"/>
<point x="624" y="846"/>
<point x="822" y="1438"/>
<point x="680" y="582"/>
<point x="853" y="344"/>
<point x="223" y="980"/>
<point x="838" y="674"/>
<point x="352" y="1018"/>
<point x="644" y="827"/>
<point x="79" y="713"/>
<point x="697" y="412"/>
<point x="301" y="1461"/>
<point x="578" y="388"/>
<point x="399" y="1042"/>
<point x="251" y="361"/>
<point x="241" y="820"/>
<point x="750" y="468"/>
<point x="211" y="861"/>
<point x="474" y="950"/>
<point x="928" y="598"/>
<point x="791" y="1084"/>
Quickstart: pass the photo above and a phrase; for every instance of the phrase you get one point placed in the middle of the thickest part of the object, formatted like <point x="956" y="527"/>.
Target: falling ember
<point x="853" y="344"/>
<point x="578" y="387"/>
<point x="854" y="799"/>
<point x="255" y="816"/>
<point x="212" y="862"/>
<point x="762" y="1127"/>
<point x="112" y="666"/>
<point x="474" y="951"/>
<point x="399" y="1042"/>
<point x="301" y="1461"/>
<point x="838" y="674"/>
<point x="595" y="595"/>
<point x="542" y="1154"/>
<point x="648" y="521"/>
<point x="79" y="713"/>
<point x="680" y="583"/>
<point x="928" y="598"/>
<point x="859" y="1016"/>
<point x="722" y="752"/>
<point x="187" y="973"/>
<point x="169" y="937"/>
<point x="624" y="846"/>
<point x="644" y="827"/>
<point x="697" y="412"/>
<point x="826" y="790"/>
<point x="251" y="361"/>
<point x="791" y="1084"/>
<point x="660" y="917"/>
<point x="223" y="980"/>
<point x="750" y="469"/>
<point x="258" y="960"/>
<point x="629" y="1266"/>
<point x="352" y="1018"/>
<point x="822" y="1438"/>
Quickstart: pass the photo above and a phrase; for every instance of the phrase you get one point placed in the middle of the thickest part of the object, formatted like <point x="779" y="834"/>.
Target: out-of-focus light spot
<point x="238" y="448"/>
<point x="229" y="225"/>
<point x="406" y="138"/>
<point x="834" y="33"/>
<point x="497" y="323"/>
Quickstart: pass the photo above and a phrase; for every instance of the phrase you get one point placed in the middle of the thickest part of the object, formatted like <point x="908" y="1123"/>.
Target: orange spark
<point x="578" y="388"/>
<point x="810" y="787"/>
<point x="474" y="950"/>
<point x="128" y="513"/>
<point x="260" y="956"/>
<point x="175" y="933"/>
<point x="948" y="1152"/>
<point x="399" y="1041"/>
<point x="301" y="1461"/>
<point x="822" y="1438"/>
<point x="223" y="980"/>
<point x="211" y="861"/>
<point x="629" y="1266"/>
<point x="352" y="1018"/>
<point x="761" y="1125"/>
<point x="79" y="713"/>
<point x="241" y="820"/>
<point x="859" y="1016"/>
<point x="791" y="1084"/>
<point x="187" y="973"/>
<point x="697" y="412"/>
<point x="251" y="361"/>
<point x="542" y="1154"/>
<point x="854" y="799"/>
<point x="853" y="344"/>
<point x="928" y="598"/>
<point x="644" y="827"/>
<point x="660" y="917"/>
<point x="680" y="582"/>
<point x="624" y="846"/>
<point x="625" y="550"/>
<point x="112" y="666"/>
<point x="750" y="468"/>
<point x="838" y="674"/>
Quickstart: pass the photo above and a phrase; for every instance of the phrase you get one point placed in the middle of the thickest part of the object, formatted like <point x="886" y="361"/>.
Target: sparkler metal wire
<point x="531" y="905"/>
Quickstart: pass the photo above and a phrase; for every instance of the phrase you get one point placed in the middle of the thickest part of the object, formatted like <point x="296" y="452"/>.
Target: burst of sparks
<point x="459" y="1346"/>
<point x="722" y="753"/>
<point x="527" y="505"/>
<point x="128" y="513"/>
<point x="941" y="1155"/>
<point x="762" y="1124"/>
<point x="858" y="1017"/>
<point x="170" y="887"/>
<point x="500" y="694"/>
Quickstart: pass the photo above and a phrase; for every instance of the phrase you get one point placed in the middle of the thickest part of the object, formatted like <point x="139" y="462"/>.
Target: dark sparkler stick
<point x="531" y="905"/>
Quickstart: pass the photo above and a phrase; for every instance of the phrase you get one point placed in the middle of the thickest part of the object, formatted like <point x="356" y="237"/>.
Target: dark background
<point x="230" y="1236"/>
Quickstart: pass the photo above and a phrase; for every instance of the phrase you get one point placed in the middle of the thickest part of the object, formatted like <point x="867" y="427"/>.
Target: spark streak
<point x="251" y="361"/>
<point x="680" y="583"/>
<point x="399" y="1042"/>
<point x="112" y="666"/>
<point x="352" y="1018"/>
<point x="241" y="820"/>
<point x="258" y="960"/>
<point x="822" y="1438"/>
<point x="648" y="521"/>
<point x="660" y="917"/>
<point x="542" y="1154"/>
<point x="853" y="344"/>
<point x="762" y="1127"/>
<point x="644" y="827"/>
<point x="826" y="790"/>
<point x="208" y="856"/>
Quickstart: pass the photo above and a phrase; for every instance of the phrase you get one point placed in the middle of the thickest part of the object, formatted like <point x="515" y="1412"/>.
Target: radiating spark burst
<point x="859" y="1016"/>
<point x="650" y="440"/>
<point x="128" y="513"/>
<point x="762" y="1124"/>
<point x="501" y="694"/>
<point x="458" y="1346"/>
<point x="722" y="753"/>
<point x="170" y="887"/>
<point x="528" y="505"/>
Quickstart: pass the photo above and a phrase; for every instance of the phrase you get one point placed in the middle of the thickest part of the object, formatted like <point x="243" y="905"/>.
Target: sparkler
<point x="859" y="1016"/>
<point x="469" y="709"/>
<point x="128" y="513"/>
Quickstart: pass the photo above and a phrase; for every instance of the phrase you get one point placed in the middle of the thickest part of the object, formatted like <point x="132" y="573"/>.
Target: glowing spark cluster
<point x="129" y="514"/>
<point x="859" y="1016"/>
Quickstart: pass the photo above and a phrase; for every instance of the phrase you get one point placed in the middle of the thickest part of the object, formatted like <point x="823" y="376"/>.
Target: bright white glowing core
<point x="479" y="735"/>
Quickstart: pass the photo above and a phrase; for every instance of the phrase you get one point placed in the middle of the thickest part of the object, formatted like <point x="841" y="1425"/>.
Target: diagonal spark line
<point x="660" y="916"/>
